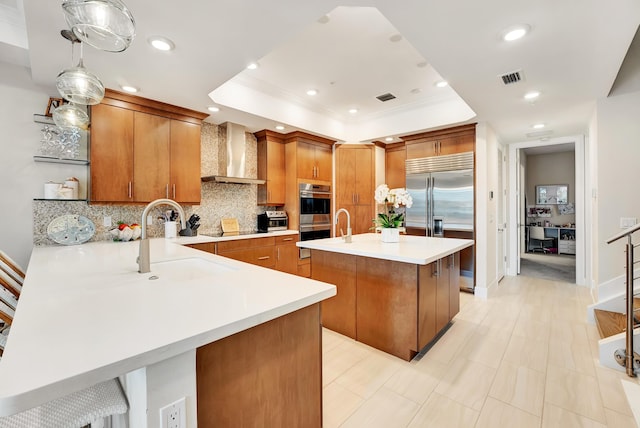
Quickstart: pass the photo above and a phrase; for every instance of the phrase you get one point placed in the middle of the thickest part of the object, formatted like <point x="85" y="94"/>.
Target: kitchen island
<point x="198" y="325"/>
<point x="396" y="297"/>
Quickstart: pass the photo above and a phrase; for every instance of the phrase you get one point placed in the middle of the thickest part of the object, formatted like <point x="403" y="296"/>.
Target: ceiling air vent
<point x="513" y="77"/>
<point x="386" y="97"/>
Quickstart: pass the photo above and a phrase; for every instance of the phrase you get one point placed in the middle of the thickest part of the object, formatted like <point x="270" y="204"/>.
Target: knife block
<point x="188" y="232"/>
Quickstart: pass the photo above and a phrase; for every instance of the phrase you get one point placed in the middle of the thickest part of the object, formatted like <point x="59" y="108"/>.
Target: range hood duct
<point x="232" y="158"/>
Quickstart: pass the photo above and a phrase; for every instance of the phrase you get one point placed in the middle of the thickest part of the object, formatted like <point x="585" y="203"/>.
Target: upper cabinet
<point x="143" y="150"/>
<point x="355" y="183"/>
<point x="314" y="161"/>
<point x="271" y="168"/>
<point x="448" y="141"/>
<point x="395" y="155"/>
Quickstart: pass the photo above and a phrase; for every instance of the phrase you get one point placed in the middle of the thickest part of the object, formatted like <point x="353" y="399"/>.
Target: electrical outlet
<point x="106" y="222"/>
<point x="174" y="415"/>
<point x="626" y="222"/>
<point x="149" y="219"/>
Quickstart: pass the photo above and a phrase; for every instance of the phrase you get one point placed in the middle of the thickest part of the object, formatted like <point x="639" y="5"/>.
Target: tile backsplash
<point x="218" y="200"/>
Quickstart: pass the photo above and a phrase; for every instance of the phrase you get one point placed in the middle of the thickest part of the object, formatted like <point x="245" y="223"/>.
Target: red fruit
<point x="122" y="226"/>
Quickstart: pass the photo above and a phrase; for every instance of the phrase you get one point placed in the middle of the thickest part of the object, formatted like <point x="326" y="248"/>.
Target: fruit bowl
<point x="125" y="232"/>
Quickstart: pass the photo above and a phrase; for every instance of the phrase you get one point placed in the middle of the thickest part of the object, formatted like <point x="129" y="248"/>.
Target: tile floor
<point x="524" y="358"/>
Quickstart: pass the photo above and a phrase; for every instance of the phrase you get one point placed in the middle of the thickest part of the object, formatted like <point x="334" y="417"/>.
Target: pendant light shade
<point x="104" y="24"/>
<point x="69" y="116"/>
<point x="78" y="85"/>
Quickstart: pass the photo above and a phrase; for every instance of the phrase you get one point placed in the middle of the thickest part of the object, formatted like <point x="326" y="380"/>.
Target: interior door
<point x="520" y="201"/>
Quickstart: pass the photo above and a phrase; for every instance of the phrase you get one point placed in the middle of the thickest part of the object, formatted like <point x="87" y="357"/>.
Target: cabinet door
<point x="427" y="286"/>
<point x="457" y="144"/>
<point x="323" y="161"/>
<point x="185" y="162"/>
<point x="260" y="256"/>
<point x="345" y="177"/>
<point x="443" y="294"/>
<point x="150" y="157"/>
<point x="422" y="149"/>
<point x="271" y="167"/>
<point x="362" y="219"/>
<point x="306" y="159"/>
<point x="454" y="284"/>
<point x="111" y="154"/>
<point x="287" y="254"/>
<point x="395" y="175"/>
<point x="364" y="179"/>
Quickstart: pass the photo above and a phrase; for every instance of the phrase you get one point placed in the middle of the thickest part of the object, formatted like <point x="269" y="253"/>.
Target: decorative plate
<point x="71" y="229"/>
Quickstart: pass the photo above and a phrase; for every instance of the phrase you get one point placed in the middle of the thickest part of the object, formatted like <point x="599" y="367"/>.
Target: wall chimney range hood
<point x="232" y="158"/>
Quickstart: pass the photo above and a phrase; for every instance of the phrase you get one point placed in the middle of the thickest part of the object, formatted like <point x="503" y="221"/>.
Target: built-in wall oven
<point x="315" y="214"/>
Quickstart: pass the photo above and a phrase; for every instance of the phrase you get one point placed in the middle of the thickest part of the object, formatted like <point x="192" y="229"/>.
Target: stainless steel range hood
<point x="232" y="158"/>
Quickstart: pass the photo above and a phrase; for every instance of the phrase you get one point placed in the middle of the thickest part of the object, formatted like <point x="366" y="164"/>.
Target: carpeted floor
<point x="548" y="266"/>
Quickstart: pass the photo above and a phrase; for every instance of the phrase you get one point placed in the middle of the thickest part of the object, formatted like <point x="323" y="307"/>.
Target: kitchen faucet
<point x="346" y="238"/>
<point x="144" y="259"/>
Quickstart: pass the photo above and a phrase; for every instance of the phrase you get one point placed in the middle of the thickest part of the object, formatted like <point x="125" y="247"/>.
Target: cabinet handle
<point x="278" y="253"/>
<point x="357" y="198"/>
<point x="264" y="258"/>
<point x="129" y="190"/>
<point x="287" y="239"/>
<point x="166" y="191"/>
<point x="174" y="191"/>
<point x="435" y="147"/>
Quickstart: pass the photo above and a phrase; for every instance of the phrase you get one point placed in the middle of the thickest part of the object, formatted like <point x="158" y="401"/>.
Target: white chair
<point x="11" y="268"/>
<point x="536" y="233"/>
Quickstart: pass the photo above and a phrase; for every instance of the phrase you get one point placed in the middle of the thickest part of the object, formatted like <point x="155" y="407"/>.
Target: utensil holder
<point x="170" y="229"/>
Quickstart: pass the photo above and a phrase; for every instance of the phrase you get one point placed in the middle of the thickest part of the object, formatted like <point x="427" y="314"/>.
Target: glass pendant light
<point x="104" y="24"/>
<point x="77" y="84"/>
<point x="71" y="116"/>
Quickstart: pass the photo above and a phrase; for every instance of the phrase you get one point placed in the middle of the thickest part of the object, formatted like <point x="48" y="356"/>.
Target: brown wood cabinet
<point x="287" y="254"/>
<point x="458" y="139"/>
<point x="267" y="376"/>
<point x="111" y="153"/>
<point x="271" y="168"/>
<point x="314" y="161"/>
<point x="355" y="183"/>
<point x="142" y="150"/>
<point x="396" y="307"/>
<point x="395" y="175"/>
<point x="274" y="252"/>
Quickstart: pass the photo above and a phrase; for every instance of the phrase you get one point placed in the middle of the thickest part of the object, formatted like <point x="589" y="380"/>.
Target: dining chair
<point x="536" y="233"/>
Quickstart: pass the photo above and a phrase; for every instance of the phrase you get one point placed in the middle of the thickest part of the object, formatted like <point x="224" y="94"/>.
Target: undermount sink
<point x="187" y="269"/>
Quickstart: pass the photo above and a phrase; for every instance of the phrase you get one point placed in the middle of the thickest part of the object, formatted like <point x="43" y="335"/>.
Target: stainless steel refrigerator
<point x="443" y="204"/>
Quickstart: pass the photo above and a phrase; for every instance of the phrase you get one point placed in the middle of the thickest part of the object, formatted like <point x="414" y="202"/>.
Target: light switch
<point x="106" y="222"/>
<point x="626" y="222"/>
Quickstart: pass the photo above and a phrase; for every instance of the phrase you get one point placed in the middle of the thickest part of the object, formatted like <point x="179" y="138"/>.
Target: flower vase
<point x="390" y="234"/>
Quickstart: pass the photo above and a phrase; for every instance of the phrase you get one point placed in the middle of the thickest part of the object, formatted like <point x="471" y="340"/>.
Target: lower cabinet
<point x="396" y="307"/>
<point x="274" y="252"/>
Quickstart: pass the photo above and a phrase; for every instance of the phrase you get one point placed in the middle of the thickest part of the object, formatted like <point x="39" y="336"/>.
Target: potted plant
<point x="391" y="219"/>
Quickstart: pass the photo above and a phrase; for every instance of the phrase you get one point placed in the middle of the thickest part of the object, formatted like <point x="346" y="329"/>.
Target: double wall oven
<point x="315" y="214"/>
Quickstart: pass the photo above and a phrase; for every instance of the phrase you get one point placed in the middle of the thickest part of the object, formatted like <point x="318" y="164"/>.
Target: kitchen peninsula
<point x="396" y="297"/>
<point x="244" y="340"/>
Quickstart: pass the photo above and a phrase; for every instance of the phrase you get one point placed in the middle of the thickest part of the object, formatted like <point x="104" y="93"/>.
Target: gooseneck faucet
<point x="144" y="259"/>
<point x="346" y="238"/>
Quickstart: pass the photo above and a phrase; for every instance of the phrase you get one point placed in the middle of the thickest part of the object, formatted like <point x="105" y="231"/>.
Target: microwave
<point x="271" y="221"/>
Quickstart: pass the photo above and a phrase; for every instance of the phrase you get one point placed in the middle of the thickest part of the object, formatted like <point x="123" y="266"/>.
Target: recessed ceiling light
<point x="213" y="109"/>
<point x="531" y="95"/>
<point x="161" y="43"/>
<point x="422" y="64"/>
<point x="252" y="66"/>
<point x="280" y="127"/>
<point x="130" y="89"/>
<point x="516" y="32"/>
<point x="324" y="19"/>
<point x="416" y="90"/>
<point x="442" y="84"/>
<point x="395" y="38"/>
<point x="312" y="92"/>
<point x="388" y="139"/>
<point x="538" y="126"/>
<point x="353" y="110"/>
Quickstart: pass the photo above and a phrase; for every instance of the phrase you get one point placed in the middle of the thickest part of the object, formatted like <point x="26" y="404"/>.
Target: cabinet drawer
<point x="566" y="246"/>
<point x="286" y="239"/>
<point x="261" y="256"/>
<point x="245" y="244"/>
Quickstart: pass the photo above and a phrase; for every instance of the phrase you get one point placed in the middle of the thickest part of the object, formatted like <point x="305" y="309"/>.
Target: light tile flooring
<point x="524" y="358"/>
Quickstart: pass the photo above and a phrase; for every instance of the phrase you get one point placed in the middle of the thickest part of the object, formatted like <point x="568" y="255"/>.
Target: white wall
<point x="552" y="168"/>
<point x="618" y="166"/>
<point x="486" y="209"/>
<point x="22" y="179"/>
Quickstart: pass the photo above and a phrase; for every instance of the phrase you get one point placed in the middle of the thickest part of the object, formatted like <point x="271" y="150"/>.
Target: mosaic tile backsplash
<point x="218" y="200"/>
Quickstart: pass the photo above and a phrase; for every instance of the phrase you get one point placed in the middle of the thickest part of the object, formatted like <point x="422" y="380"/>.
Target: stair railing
<point x="628" y="358"/>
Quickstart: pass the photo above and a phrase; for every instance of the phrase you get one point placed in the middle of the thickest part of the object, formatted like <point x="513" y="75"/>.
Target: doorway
<point x="522" y="198"/>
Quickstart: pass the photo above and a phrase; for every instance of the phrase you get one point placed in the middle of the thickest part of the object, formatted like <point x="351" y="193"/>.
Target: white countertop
<point x="86" y="315"/>
<point x="200" y="239"/>
<point x="419" y="250"/>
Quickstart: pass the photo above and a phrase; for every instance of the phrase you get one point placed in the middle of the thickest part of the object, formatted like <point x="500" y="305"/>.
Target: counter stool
<point x="76" y="410"/>
<point x="10" y="284"/>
